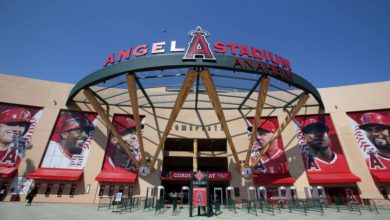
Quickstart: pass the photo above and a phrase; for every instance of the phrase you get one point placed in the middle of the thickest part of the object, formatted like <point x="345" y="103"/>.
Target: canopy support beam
<point x="195" y="157"/>
<point x="259" y="108"/>
<point x="181" y="97"/>
<point x="91" y="98"/>
<point x="131" y="86"/>
<point x="290" y="115"/>
<point x="213" y="95"/>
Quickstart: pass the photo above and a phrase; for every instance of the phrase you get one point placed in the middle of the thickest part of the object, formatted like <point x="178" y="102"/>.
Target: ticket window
<point x="130" y="192"/>
<point x="385" y="191"/>
<point x="60" y="190"/>
<point x="72" y="190"/>
<point x="37" y="187"/>
<point x="111" y="190"/>
<point x="236" y="192"/>
<point x="101" y="190"/>
<point x="48" y="189"/>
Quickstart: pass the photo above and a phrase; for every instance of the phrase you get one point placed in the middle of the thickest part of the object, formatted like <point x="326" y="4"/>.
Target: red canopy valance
<point x="124" y="177"/>
<point x="265" y="179"/>
<point x="6" y="172"/>
<point x="318" y="178"/>
<point x="56" y="174"/>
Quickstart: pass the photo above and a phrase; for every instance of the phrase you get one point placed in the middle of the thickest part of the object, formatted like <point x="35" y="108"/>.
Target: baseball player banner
<point x="70" y="141"/>
<point x="372" y="131"/>
<point x="17" y="125"/>
<point x="116" y="159"/>
<point x="320" y="147"/>
<point x="274" y="161"/>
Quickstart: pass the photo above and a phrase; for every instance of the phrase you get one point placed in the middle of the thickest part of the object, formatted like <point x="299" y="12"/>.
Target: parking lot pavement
<point x="52" y="211"/>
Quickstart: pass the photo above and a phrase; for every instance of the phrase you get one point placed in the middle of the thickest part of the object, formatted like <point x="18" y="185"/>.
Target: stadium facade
<point x="250" y="122"/>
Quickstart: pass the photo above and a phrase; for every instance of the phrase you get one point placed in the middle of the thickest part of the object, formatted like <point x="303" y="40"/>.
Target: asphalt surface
<point x="43" y="211"/>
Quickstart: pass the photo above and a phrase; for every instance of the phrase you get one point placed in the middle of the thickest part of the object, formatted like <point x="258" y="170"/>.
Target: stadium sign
<point x="199" y="53"/>
<point x="198" y="47"/>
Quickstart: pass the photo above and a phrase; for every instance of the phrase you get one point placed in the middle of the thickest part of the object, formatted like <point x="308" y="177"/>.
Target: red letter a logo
<point x="375" y="162"/>
<point x="198" y="46"/>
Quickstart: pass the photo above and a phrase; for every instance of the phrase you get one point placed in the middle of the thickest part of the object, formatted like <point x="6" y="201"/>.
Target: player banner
<point x="70" y="141"/>
<point x="274" y="161"/>
<point x="17" y="125"/>
<point x="372" y="131"/>
<point x="320" y="147"/>
<point x="199" y="196"/>
<point x="116" y="159"/>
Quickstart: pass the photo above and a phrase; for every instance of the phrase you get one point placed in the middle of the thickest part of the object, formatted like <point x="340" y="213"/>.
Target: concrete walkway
<point x="50" y="211"/>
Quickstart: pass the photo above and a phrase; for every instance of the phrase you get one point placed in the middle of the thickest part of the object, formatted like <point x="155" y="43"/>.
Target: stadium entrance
<point x="183" y="156"/>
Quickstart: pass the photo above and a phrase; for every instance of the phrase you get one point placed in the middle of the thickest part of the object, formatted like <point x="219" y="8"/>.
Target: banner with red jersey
<point x="372" y="131"/>
<point x="199" y="196"/>
<point x="274" y="161"/>
<point x="70" y="141"/>
<point x="17" y="125"/>
<point x="321" y="151"/>
<point x="272" y="167"/>
<point x="116" y="159"/>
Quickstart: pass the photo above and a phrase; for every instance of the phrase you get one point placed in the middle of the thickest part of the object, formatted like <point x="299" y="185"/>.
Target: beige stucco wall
<point x="52" y="96"/>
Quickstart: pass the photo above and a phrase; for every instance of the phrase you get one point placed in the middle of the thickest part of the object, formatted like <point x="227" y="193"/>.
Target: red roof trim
<point x="315" y="178"/>
<point x="261" y="179"/>
<point x="381" y="177"/>
<point x="123" y="177"/>
<point x="56" y="174"/>
<point x="6" y="172"/>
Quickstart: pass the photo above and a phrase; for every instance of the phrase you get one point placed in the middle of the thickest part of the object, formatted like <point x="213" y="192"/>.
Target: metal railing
<point x="266" y="206"/>
<point x="149" y="203"/>
<point x="159" y="206"/>
<point x="105" y="202"/>
<point x="231" y="205"/>
<point x="306" y="206"/>
<point x="126" y="204"/>
<point x="174" y="205"/>
<point x="249" y="205"/>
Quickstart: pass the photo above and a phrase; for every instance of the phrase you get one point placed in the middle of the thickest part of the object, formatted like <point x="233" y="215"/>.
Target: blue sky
<point x="329" y="42"/>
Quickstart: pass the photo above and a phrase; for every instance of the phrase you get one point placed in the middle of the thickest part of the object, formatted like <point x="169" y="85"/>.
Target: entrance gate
<point x="184" y="188"/>
<point x="218" y="195"/>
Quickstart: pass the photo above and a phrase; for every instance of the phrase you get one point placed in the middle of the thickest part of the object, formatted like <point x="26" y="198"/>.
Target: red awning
<point x="264" y="179"/>
<point x="381" y="177"/>
<point x="56" y="174"/>
<point x="123" y="177"/>
<point x="6" y="172"/>
<point x="316" y="178"/>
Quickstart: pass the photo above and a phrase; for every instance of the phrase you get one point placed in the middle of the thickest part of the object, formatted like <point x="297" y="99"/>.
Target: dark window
<point x="236" y="192"/>
<point x="48" y="189"/>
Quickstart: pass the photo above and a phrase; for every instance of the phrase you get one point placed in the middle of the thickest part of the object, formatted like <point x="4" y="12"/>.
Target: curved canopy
<point x="168" y="71"/>
<point x="171" y="82"/>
